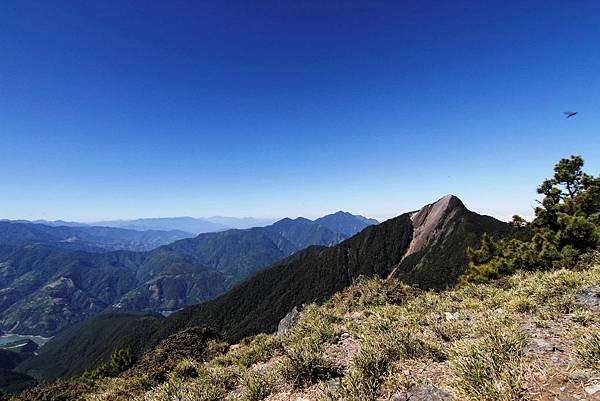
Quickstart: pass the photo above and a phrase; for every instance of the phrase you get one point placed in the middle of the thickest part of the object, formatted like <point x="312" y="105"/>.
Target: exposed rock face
<point x="288" y="322"/>
<point x="426" y="224"/>
<point x="441" y="233"/>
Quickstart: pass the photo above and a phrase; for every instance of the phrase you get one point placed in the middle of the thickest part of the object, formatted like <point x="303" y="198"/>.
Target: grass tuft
<point x="304" y="363"/>
<point x="588" y="350"/>
<point x="258" y="386"/>
<point x="251" y="350"/>
<point x="490" y="368"/>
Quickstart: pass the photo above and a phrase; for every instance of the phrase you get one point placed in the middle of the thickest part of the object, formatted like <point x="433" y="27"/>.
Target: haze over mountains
<point x="48" y="281"/>
<point x="187" y="224"/>
<point x="85" y="238"/>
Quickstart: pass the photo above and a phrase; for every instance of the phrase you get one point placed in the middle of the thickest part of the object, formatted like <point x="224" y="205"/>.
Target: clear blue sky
<point x="116" y="109"/>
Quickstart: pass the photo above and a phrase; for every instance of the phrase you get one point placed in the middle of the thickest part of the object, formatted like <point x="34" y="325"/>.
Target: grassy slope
<point x="530" y="336"/>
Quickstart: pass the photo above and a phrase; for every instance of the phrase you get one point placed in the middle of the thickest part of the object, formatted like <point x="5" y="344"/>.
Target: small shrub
<point x="120" y="360"/>
<point x="252" y="350"/>
<point x="490" y="368"/>
<point x="522" y="304"/>
<point x="316" y="324"/>
<point x="304" y="363"/>
<point x="209" y="385"/>
<point x="369" y="292"/>
<point x="185" y="369"/>
<point x="258" y="387"/>
<point x="582" y="317"/>
<point x="589" y="350"/>
<point x="215" y="348"/>
<point x="365" y="375"/>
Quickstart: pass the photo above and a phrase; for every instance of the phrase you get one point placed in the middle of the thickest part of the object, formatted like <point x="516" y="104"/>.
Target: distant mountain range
<point x="85" y="238"/>
<point x="425" y="248"/>
<point x="187" y="224"/>
<point x="197" y="226"/>
<point x="46" y="286"/>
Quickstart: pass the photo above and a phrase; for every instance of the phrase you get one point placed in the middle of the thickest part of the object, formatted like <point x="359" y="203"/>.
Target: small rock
<point x="406" y="372"/>
<point x="579" y="376"/>
<point x="288" y="321"/>
<point x="334" y="385"/>
<point x="345" y="336"/>
<point x="422" y="392"/>
<point x="593" y="389"/>
<point x="451" y="316"/>
<point x="590" y="297"/>
<point x="541" y="344"/>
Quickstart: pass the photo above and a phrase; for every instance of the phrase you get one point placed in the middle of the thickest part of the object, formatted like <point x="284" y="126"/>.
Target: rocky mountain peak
<point x="426" y="221"/>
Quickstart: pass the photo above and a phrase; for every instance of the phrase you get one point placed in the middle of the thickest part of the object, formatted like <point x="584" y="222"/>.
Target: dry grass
<point x="519" y="337"/>
<point x="490" y="367"/>
<point x="589" y="349"/>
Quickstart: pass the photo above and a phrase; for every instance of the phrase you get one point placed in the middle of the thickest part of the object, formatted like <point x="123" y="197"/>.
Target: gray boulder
<point x="288" y="321"/>
<point x="589" y="297"/>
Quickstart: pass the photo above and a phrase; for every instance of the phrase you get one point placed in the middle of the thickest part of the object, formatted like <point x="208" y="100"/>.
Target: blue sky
<point x="119" y="109"/>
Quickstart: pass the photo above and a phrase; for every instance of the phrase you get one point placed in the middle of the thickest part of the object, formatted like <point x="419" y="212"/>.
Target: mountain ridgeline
<point x="46" y="289"/>
<point x="189" y="224"/>
<point x="425" y="248"/>
<point x="85" y="238"/>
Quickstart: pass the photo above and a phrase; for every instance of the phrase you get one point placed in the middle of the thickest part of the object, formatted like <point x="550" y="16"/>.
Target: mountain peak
<point x="426" y="221"/>
<point x="341" y="213"/>
<point x="288" y="220"/>
<point x="451" y="200"/>
<point x="345" y="222"/>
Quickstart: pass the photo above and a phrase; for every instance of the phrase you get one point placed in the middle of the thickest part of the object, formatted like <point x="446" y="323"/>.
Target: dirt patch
<point x="343" y="352"/>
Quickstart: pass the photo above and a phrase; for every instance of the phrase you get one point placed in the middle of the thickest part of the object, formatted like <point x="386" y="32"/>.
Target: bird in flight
<point x="569" y="114"/>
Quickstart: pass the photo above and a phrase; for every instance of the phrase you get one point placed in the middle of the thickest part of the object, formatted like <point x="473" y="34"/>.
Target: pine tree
<point x="566" y="225"/>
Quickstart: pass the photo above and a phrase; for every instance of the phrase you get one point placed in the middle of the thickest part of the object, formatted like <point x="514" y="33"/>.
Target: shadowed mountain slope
<point x="86" y="343"/>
